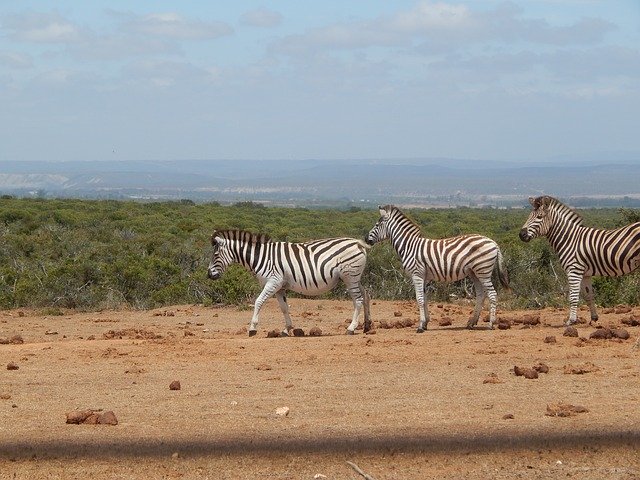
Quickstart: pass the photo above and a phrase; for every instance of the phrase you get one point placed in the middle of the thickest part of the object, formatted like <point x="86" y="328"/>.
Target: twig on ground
<point x="360" y="471"/>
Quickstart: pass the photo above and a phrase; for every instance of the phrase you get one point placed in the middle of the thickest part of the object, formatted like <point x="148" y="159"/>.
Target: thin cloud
<point x="37" y="27"/>
<point x="173" y="25"/>
<point x="15" y="60"/>
<point x="261" y="17"/>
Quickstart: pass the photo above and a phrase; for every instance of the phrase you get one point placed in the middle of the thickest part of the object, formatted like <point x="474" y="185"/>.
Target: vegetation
<point x="104" y="254"/>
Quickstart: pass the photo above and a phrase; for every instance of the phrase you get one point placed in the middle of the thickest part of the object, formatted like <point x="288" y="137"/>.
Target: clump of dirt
<point x="541" y="367"/>
<point x="315" y="332"/>
<point x="604" y="333"/>
<point x="175" y="385"/>
<point x="586" y="367"/>
<point x="15" y="340"/>
<point x="570" y="331"/>
<point x="91" y="417"/>
<point x="445" y="321"/>
<point x="131" y="333"/>
<point x="632" y="321"/>
<point x="564" y="409"/>
<point x="550" y="339"/>
<point x="298" y="332"/>
<point x="525" y="372"/>
<point x="492" y="378"/>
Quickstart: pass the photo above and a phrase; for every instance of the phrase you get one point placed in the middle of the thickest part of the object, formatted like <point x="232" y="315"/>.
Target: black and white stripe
<point x="309" y="268"/>
<point x="447" y="259"/>
<point x="584" y="252"/>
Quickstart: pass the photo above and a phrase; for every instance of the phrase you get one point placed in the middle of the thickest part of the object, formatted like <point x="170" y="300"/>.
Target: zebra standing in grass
<point x="447" y="259"/>
<point x="310" y="268"/>
<point x="584" y="252"/>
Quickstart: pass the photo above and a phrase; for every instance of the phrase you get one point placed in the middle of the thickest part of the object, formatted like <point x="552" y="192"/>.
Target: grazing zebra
<point x="310" y="268"/>
<point x="584" y="252"/>
<point x="447" y="259"/>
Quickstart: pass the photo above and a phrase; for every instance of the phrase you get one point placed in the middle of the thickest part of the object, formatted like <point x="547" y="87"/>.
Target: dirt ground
<point x="445" y="404"/>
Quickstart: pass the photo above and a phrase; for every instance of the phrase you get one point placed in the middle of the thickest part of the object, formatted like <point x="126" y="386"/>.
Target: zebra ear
<point x="383" y="211"/>
<point x="532" y="201"/>
<point x="546" y="200"/>
<point x="217" y="241"/>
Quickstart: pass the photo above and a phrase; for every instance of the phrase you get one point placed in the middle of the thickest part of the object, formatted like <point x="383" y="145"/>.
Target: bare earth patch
<point x="444" y="404"/>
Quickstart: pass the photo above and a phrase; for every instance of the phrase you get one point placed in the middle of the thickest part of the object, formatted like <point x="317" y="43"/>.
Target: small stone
<point x="397" y="314"/>
<point x="504" y="324"/>
<point x="570" y="331"/>
<point x="16" y="340"/>
<point x="107" y="418"/>
<point x="12" y="366"/>
<point x="529" y="319"/>
<point x="541" y="368"/>
<point x="175" y="385"/>
<point x="550" y="339"/>
<point x="530" y="373"/>
<point x="91" y="419"/>
<point x="622" y="309"/>
<point x="315" y="332"/>
<point x="282" y="411"/>
<point x="298" y="332"/>
<point x="601" y="334"/>
<point x="445" y="321"/>
<point x="78" y="416"/>
<point x="620" y="333"/>
<point x="508" y="416"/>
<point x="273" y="334"/>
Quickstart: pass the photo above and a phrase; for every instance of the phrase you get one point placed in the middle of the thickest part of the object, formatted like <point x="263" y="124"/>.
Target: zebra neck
<point x="561" y="233"/>
<point x="401" y="240"/>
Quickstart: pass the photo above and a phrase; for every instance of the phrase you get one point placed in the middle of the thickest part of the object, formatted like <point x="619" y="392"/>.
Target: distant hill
<point x="436" y="182"/>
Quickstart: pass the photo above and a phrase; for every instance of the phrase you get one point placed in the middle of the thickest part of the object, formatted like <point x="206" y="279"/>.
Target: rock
<point x="529" y="319"/>
<point x="622" y="309"/>
<point x="631" y="321"/>
<point x="12" y="366"/>
<point x="564" y="409"/>
<point x="550" y="339"/>
<point x="273" y="334"/>
<point x="445" y="321"/>
<point x="503" y="324"/>
<point x="298" y="332"/>
<point x="282" y="411"/>
<point x="16" y="340"/>
<point x="78" y="416"/>
<point x="541" y="367"/>
<point x="107" y="418"/>
<point x="601" y="334"/>
<point x="492" y="378"/>
<point x="175" y="385"/>
<point x="508" y="416"/>
<point x="397" y="314"/>
<point x="587" y="367"/>
<point x="91" y="419"/>
<point x="525" y="372"/>
<point x="570" y="331"/>
<point x="620" y="333"/>
<point x="315" y="332"/>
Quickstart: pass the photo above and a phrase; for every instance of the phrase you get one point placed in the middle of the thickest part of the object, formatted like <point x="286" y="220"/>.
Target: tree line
<point x="96" y="254"/>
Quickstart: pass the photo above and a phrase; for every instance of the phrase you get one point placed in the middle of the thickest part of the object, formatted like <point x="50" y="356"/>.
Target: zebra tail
<point x="503" y="274"/>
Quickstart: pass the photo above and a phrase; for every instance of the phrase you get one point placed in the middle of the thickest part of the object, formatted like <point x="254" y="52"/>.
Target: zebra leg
<point x="575" y="279"/>
<point x="356" y="292"/>
<point x="270" y="287"/>
<point x="493" y="300"/>
<point x="282" y="301"/>
<point x="418" y="285"/>
<point x="367" y="309"/>
<point x="587" y="292"/>
<point x="480" y="295"/>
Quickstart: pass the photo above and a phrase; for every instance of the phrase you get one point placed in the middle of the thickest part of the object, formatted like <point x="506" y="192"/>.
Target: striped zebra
<point x="584" y="252"/>
<point x="310" y="268"/>
<point x="447" y="259"/>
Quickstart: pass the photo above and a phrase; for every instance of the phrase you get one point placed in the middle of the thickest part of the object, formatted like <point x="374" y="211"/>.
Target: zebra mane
<point x="565" y="211"/>
<point x="241" y="235"/>
<point x="392" y="208"/>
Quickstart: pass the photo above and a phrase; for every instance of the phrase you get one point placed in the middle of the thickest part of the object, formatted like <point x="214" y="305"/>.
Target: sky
<point x="289" y="79"/>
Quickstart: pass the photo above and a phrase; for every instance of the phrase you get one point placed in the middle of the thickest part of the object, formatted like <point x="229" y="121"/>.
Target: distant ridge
<point x="315" y="182"/>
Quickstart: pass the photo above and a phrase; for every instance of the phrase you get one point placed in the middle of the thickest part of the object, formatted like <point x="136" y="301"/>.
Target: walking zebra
<point x="447" y="259"/>
<point x="310" y="268"/>
<point x="584" y="252"/>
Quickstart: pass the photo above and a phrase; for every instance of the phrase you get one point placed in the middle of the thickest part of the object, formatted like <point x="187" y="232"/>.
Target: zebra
<point x="309" y="268"/>
<point x="583" y="251"/>
<point x="447" y="259"/>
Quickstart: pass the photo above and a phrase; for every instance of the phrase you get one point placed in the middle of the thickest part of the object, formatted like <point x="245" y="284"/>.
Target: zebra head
<point x="380" y="230"/>
<point x="220" y="257"/>
<point x="539" y="221"/>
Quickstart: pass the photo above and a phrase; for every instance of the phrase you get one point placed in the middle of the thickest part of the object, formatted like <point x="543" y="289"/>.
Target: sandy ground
<point x="445" y="404"/>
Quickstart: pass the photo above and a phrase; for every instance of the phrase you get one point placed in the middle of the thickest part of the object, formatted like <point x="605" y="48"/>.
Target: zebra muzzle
<point x="213" y="274"/>
<point x="524" y="236"/>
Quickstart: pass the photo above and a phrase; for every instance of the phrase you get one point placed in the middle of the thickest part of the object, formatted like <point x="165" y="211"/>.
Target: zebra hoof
<point x="420" y="330"/>
<point x="284" y="334"/>
<point x="252" y="333"/>
<point x="349" y="332"/>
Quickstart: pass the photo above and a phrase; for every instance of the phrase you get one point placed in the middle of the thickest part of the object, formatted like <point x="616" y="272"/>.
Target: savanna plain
<point x="445" y="404"/>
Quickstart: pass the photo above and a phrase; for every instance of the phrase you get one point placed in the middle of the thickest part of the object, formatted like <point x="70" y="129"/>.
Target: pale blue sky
<point x="160" y="80"/>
